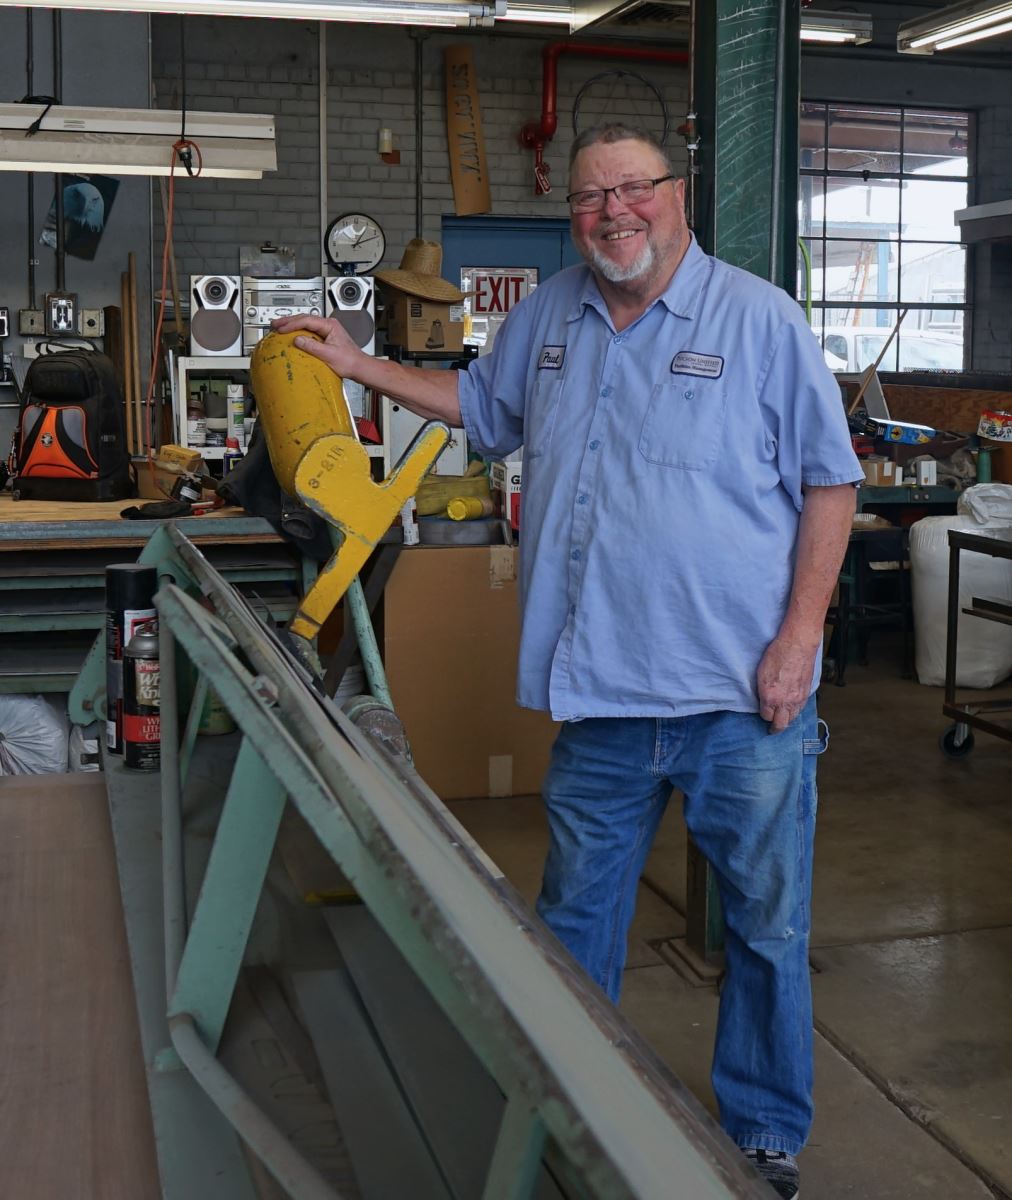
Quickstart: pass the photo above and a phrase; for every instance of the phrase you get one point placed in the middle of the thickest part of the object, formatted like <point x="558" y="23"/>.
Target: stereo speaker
<point x="351" y="300"/>
<point x="215" y="317"/>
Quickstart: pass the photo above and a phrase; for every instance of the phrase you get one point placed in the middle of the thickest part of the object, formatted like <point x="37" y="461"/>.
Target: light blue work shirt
<point x="662" y="484"/>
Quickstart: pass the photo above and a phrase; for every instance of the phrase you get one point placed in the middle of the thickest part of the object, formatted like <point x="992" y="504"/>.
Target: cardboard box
<point x="881" y="473"/>
<point x="417" y="324"/>
<point x="507" y="484"/>
<point x="451" y="632"/>
<point x="172" y="461"/>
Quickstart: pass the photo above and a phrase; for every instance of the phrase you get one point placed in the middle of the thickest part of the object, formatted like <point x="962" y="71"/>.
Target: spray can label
<point x="141" y="703"/>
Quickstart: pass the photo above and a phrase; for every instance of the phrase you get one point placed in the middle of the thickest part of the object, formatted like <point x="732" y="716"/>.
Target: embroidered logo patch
<point x="688" y="362"/>
<point x="551" y="357"/>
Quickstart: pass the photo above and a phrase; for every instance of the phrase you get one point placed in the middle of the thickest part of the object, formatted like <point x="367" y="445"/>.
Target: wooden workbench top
<point x="52" y="524"/>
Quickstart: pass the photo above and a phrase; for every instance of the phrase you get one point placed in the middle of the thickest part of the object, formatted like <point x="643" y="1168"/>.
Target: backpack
<point x="70" y="440"/>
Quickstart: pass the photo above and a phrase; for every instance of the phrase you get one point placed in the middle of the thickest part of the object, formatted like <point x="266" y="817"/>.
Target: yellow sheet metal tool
<point x="317" y="457"/>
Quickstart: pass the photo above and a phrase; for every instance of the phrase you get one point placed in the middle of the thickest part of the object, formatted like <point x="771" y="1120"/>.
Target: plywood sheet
<point x="74" y="1115"/>
<point x="955" y="409"/>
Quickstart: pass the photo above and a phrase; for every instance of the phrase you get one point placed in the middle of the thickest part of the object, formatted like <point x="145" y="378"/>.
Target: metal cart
<point x="957" y="741"/>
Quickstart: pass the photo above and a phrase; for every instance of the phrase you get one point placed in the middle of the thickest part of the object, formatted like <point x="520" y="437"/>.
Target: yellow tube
<point x="299" y="399"/>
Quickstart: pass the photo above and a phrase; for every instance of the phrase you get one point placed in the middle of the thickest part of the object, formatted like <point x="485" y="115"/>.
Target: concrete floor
<point x="911" y="948"/>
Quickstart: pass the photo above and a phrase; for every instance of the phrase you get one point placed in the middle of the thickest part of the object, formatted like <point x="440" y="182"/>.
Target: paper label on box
<point x="502" y="566"/>
<point x="456" y="312"/>
<point x="500" y="775"/>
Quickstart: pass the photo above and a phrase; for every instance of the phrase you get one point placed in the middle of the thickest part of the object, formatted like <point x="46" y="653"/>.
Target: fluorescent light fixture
<point x="538" y="14"/>
<point x="957" y="25"/>
<point x="368" y="11"/>
<point x="134" y="141"/>
<point x="835" y="28"/>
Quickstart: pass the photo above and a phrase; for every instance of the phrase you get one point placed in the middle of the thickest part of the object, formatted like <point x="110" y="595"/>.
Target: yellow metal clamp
<point x="317" y="457"/>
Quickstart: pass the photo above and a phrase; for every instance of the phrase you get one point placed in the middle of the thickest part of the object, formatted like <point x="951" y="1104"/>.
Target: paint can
<point x="142" y="724"/>
<point x="129" y="600"/>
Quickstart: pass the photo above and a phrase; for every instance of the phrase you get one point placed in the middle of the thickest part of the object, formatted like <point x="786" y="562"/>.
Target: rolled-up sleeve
<point x="493" y="389"/>
<point x="804" y="414"/>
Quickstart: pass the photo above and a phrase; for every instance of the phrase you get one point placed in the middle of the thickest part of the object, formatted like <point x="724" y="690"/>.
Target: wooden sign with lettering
<point x="468" y="165"/>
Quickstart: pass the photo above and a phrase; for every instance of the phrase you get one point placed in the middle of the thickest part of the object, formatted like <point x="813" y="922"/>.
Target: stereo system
<point x="351" y="300"/>
<point x="215" y="321"/>
<point x="263" y="300"/>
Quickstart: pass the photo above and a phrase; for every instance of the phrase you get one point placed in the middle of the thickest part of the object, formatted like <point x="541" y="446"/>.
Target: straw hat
<point x="419" y="273"/>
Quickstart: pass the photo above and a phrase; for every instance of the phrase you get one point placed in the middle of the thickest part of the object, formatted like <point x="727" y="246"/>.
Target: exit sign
<point x="495" y="292"/>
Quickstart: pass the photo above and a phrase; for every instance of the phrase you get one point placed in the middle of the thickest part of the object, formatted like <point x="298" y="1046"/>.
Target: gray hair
<point x="615" y="131"/>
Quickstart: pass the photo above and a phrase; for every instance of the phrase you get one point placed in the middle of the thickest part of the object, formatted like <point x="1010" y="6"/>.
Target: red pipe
<point x="535" y="135"/>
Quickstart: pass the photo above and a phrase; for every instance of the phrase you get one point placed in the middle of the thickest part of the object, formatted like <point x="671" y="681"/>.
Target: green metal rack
<point x="584" y="1097"/>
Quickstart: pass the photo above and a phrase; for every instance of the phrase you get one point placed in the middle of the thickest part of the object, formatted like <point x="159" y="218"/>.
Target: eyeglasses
<point x="637" y="191"/>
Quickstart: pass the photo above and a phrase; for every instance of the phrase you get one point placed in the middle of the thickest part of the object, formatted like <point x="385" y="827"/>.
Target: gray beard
<point x="642" y="265"/>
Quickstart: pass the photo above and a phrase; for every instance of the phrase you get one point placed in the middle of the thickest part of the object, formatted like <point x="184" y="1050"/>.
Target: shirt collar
<point x="680" y="297"/>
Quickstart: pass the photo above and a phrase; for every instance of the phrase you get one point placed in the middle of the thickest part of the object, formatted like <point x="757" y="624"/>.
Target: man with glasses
<point x="688" y="495"/>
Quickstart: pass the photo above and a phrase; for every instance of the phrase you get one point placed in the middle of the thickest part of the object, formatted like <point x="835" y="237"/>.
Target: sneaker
<point x="780" y="1171"/>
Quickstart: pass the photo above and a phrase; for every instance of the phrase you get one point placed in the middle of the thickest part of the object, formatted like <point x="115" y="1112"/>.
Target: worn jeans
<point x="750" y="803"/>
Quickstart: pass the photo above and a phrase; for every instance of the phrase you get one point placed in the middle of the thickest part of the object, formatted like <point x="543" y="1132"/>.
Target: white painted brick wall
<point x="272" y="66"/>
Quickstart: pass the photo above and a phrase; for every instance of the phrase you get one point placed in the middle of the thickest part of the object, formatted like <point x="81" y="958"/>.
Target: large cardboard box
<point x="417" y="324"/>
<point x="451" y="631"/>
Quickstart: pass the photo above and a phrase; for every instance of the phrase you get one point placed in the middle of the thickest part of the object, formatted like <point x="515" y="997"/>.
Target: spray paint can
<point x="142" y="724"/>
<point x="129" y="600"/>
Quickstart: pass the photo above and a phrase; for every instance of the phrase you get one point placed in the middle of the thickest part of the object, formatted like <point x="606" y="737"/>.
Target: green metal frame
<point x="583" y="1091"/>
<point x="746" y="77"/>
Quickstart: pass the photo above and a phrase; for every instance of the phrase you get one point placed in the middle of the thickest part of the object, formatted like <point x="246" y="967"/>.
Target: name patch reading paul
<point x="550" y="358"/>
<point x="688" y="362"/>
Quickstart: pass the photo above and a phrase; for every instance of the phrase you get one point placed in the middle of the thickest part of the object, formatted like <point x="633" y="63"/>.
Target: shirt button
<point x="606" y="391"/>
<point x="617" y="340"/>
<point x="575" y="556"/>
<point x="594" y="444"/>
<point x="582" y="498"/>
<point x="689" y="394"/>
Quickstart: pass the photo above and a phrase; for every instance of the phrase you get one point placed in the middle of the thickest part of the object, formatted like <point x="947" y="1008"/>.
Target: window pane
<point x="862" y="208"/>
<point x="855" y="338"/>
<point x="935" y="143"/>
<point x="860" y="271"/>
<point x="931" y="274"/>
<point x="812" y="135"/>
<point x="928" y="205"/>
<point x="922" y="350"/>
<point x="815" y="250"/>
<point x="811" y="205"/>
<point x="863" y="138"/>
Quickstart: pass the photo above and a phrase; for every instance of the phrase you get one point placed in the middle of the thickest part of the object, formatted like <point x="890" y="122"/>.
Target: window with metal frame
<point x="877" y="191"/>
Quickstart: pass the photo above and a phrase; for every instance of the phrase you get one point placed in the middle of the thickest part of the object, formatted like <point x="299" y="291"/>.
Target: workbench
<point x="53" y="557"/>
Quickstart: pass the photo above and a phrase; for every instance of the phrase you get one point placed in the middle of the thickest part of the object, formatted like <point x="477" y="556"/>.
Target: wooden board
<point x="74" y="1116"/>
<point x="955" y="409"/>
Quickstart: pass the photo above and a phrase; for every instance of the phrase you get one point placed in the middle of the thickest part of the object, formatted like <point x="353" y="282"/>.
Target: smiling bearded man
<point x="688" y="496"/>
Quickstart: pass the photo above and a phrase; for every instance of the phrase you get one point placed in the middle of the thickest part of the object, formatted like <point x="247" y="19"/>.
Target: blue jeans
<point x="750" y="803"/>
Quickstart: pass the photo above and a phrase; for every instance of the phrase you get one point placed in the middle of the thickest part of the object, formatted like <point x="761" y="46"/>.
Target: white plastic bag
<point x="987" y="504"/>
<point x="984" y="648"/>
<point x="83" y="751"/>
<point x="33" y="735"/>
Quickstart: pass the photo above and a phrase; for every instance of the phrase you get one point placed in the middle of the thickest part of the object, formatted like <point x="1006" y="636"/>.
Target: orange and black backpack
<point x="70" y="442"/>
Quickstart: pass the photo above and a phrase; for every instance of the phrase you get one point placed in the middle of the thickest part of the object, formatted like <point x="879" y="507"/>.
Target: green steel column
<point x="746" y="83"/>
<point x="746" y="99"/>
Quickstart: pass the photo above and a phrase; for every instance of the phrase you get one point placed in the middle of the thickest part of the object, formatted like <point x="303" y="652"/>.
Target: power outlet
<point x="92" y="322"/>
<point x="31" y="322"/>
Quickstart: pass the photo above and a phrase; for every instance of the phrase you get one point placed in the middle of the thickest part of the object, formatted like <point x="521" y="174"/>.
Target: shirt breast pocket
<point x="542" y="411"/>
<point x="684" y="425"/>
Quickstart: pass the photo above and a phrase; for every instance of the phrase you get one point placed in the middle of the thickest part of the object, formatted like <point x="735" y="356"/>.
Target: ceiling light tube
<point x="835" y="28"/>
<point x="130" y="141"/>
<point x="538" y="15"/>
<point x="369" y="11"/>
<point x="976" y="35"/>
<point x="947" y="27"/>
